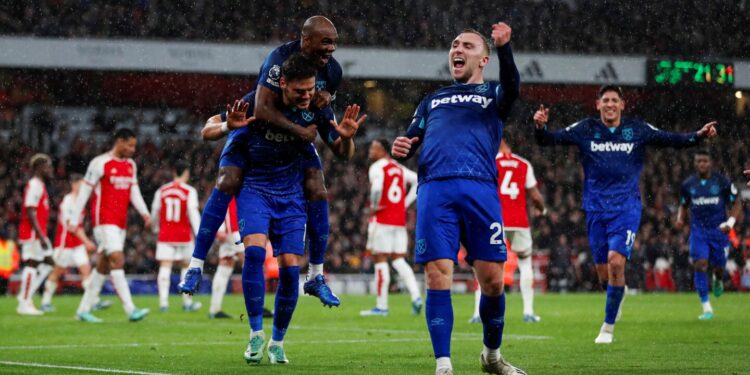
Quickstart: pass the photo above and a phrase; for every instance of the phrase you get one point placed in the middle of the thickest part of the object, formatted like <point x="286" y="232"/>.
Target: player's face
<point x="125" y="148"/>
<point x="46" y="169"/>
<point x="320" y="45"/>
<point x="610" y="107"/>
<point x="702" y="163"/>
<point x="376" y="151"/>
<point x="467" y="56"/>
<point x="298" y="93"/>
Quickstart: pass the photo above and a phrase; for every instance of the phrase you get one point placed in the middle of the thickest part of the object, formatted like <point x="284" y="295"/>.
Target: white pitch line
<point x="78" y="368"/>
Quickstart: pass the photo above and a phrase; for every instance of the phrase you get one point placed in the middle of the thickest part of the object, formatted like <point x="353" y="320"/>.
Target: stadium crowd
<point x="695" y="27"/>
<point x="561" y="235"/>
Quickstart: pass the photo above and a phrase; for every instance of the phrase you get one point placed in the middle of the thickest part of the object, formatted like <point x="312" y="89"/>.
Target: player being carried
<point x="461" y="127"/>
<point x="36" y="248"/>
<point x="707" y="194"/>
<point x="513" y="172"/>
<point x="113" y="179"/>
<point x="612" y="152"/>
<point x="318" y="42"/>
<point x="271" y="204"/>
<point x="386" y="232"/>
<point x="175" y="211"/>
<point x="71" y="248"/>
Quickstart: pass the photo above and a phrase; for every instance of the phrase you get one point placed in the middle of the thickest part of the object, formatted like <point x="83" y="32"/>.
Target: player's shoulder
<point x="35" y="182"/>
<point x="166" y="186"/>
<point x="689" y="181"/>
<point x="379" y="164"/>
<point x="285" y="50"/>
<point x="102" y="158"/>
<point x="190" y="189"/>
<point x="520" y="159"/>
<point x="334" y="68"/>
<point x="68" y="199"/>
<point x="637" y="122"/>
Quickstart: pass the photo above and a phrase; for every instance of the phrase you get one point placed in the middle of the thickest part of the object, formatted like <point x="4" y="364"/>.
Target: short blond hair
<point x="38" y="159"/>
<point x="485" y="41"/>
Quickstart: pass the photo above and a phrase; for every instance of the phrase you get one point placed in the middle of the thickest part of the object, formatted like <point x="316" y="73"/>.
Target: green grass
<point x="658" y="334"/>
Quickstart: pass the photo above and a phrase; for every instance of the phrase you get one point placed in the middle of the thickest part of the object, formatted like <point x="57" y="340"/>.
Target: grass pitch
<point x="658" y="334"/>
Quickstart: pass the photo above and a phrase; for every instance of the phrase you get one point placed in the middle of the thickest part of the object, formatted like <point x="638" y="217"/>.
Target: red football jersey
<point x="514" y="176"/>
<point x="173" y="205"/>
<point x="230" y="220"/>
<point x="34" y="195"/>
<point x="63" y="238"/>
<point x="390" y="178"/>
<point x="112" y="179"/>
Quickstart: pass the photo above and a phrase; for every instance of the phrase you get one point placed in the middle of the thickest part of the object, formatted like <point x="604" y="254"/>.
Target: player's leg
<point x="475" y="318"/>
<point x="182" y="258"/>
<point x="436" y="246"/>
<point x="718" y="260"/>
<point x="50" y="287"/>
<point x="522" y="246"/>
<point x="165" y="256"/>
<point x="43" y="270"/>
<point x="31" y="255"/>
<point x="400" y="242"/>
<point x="113" y="248"/>
<point x="227" y="251"/>
<point x="287" y="235"/>
<point x="699" y="253"/>
<point x="382" y="283"/>
<point x="482" y="234"/>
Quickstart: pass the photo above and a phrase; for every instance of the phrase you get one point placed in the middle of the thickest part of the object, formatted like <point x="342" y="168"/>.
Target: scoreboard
<point x="670" y="72"/>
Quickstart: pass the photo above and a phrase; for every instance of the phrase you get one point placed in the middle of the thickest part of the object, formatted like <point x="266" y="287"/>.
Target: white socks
<point x="407" y="275"/>
<point x="49" y="290"/>
<point x="444" y="362"/>
<point x="382" y="281"/>
<point x="273" y="342"/>
<point x="162" y="282"/>
<point x="314" y="270"/>
<point x="91" y="294"/>
<point x="219" y="287"/>
<point x="526" y="284"/>
<point x="608" y="328"/>
<point x="187" y="299"/>
<point x="196" y="263"/>
<point x="477" y="297"/>
<point x="43" y="270"/>
<point x="28" y="275"/>
<point x="707" y="307"/>
<point x="490" y="355"/>
<point x="123" y="290"/>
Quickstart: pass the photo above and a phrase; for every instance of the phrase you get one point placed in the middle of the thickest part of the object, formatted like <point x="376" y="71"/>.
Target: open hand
<point x="541" y="116"/>
<point x="237" y="115"/>
<point x="349" y="124"/>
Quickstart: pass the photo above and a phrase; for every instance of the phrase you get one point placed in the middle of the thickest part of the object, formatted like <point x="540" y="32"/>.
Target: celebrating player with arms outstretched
<point x="113" y="180"/>
<point x="461" y="127"/>
<point x="707" y="194"/>
<point x="318" y="43"/>
<point x="271" y="204"/>
<point x="612" y="151"/>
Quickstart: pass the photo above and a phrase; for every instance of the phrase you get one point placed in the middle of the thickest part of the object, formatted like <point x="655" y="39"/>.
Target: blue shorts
<point x="310" y="158"/>
<point x="709" y="244"/>
<point x="234" y="153"/>
<point x="281" y="218"/>
<point x="465" y="210"/>
<point x="612" y="230"/>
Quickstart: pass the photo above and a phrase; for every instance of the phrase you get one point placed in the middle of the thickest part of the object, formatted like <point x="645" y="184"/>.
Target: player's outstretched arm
<point x="236" y="117"/>
<point x="265" y="110"/>
<point x="546" y="138"/>
<point x="510" y="79"/>
<point x="347" y="128"/>
<point x="662" y="138"/>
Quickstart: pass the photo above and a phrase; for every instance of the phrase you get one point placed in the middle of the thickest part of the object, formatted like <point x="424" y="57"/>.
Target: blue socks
<point x="701" y="285"/>
<point x="439" y="314"/>
<point x="492" y="312"/>
<point x="286" y="301"/>
<point x="254" y="285"/>
<point x="614" y="298"/>
<point x="318" y="228"/>
<point x="211" y="219"/>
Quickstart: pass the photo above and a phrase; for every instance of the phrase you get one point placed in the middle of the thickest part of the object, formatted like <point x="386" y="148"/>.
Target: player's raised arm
<point x="658" y="137"/>
<point x="544" y="137"/>
<point x="236" y="116"/>
<point x="510" y="79"/>
<point x="346" y="129"/>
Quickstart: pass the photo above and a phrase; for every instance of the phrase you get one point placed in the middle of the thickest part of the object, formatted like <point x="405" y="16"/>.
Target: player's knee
<point x="226" y="261"/>
<point x="701" y="265"/>
<point x="229" y="181"/>
<point x="314" y="185"/>
<point x="255" y="256"/>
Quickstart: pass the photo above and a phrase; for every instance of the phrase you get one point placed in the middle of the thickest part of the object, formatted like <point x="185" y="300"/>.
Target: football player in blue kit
<point x="318" y="42"/>
<point x="612" y="152"/>
<point x="459" y="128"/>
<point x="271" y="203"/>
<point x="707" y="194"/>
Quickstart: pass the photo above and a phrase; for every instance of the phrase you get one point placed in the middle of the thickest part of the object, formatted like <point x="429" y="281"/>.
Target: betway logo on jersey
<point x="453" y="99"/>
<point x="121" y="182"/>
<point x="706" y="201"/>
<point x="611" y="147"/>
<point x="279" y="137"/>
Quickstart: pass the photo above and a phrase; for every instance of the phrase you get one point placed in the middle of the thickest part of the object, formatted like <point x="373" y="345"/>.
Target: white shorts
<point x="32" y="250"/>
<point x="109" y="238"/>
<point x="520" y="241"/>
<point x="229" y="248"/>
<point x="387" y="239"/>
<point x="174" y="252"/>
<point x="71" y="257"/>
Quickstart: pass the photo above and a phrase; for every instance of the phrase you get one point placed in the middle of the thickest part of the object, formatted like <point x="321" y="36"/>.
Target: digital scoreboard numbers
<point x="691" y="73"/>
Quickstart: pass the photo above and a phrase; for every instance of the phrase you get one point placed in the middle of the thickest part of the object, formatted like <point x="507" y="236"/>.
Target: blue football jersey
<point x="708" y="200"/>
<point x="613" y="158"/>
<point x="328" y="78"/>
<point x="460" y="126"/>
<point x="274" y="157"/>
